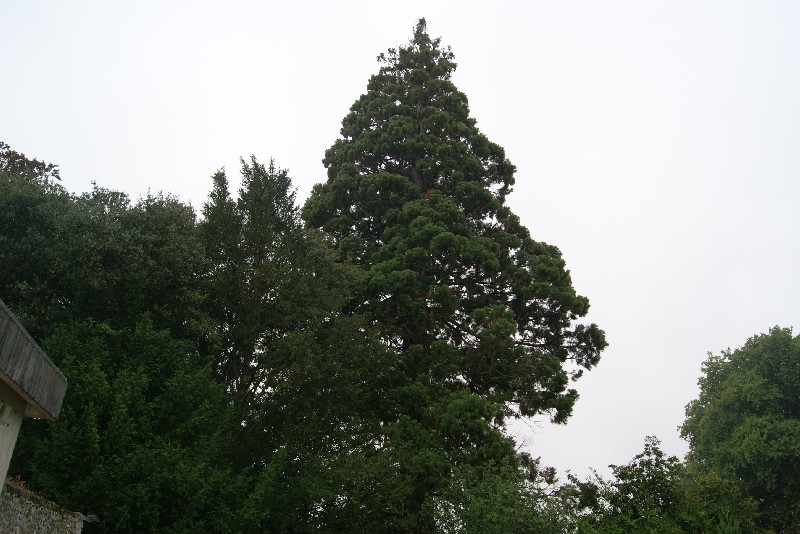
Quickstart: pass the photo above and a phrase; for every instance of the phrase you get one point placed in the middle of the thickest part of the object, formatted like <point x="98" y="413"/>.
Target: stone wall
<point x="24" y="512"/>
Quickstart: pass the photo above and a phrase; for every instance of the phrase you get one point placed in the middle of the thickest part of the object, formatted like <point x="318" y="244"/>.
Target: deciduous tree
<point x="746" y="423"/>
<point x="111" y="292"/>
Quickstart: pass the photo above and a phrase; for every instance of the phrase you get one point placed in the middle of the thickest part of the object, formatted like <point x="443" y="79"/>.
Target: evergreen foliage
<point x="482" y="319"/>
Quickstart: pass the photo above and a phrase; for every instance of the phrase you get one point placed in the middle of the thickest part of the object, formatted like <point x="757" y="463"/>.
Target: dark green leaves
<point x="351" y="375"/>
<point x="480" y="318"/>
<point x="746" y="423"/>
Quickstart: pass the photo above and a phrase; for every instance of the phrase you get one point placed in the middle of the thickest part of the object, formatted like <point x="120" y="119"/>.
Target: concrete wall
<point x="12" y="410"/>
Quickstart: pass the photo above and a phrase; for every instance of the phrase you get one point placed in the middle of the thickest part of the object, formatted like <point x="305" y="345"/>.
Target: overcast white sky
<point x="657" y="144"/>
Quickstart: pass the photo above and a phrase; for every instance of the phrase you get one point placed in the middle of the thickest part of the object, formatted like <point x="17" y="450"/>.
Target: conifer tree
<point x="483" y="320"/>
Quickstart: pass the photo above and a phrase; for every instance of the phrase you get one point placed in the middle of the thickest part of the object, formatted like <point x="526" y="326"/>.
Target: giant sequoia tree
<point x="483" y="320"/>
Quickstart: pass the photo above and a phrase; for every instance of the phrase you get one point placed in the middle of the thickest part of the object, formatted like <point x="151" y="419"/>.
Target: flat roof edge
<point x="26" y="368"/>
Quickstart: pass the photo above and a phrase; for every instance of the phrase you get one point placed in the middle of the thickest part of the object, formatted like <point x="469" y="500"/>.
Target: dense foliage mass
<point x="746" y="423"/>
<point x="351" y="366"/>
<point x="655" y="493"/>
<point x="111" y="292"/>
<point x="481" y="319"/>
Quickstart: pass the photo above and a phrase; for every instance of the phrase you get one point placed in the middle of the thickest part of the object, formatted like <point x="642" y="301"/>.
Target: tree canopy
<point x="746" y="422"/>
<point x="352" y="365"/>
<point x="656" y="492"/>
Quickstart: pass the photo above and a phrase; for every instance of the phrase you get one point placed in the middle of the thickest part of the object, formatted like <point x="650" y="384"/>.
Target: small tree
<point x="655" y="492"/>
<point x="253" y="245"/>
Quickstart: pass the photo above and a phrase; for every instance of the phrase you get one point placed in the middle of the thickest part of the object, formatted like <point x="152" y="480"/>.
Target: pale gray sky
<point x="657" y="145"/>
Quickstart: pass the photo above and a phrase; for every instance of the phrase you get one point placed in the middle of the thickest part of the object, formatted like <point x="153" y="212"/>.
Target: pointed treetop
<point x="420" y="52"/>
<point x="414" y="123"/>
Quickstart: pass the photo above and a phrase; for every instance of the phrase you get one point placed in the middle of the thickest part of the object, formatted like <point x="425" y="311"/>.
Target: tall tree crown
<point x="414" y="122"/>
<point x="415" y="196"/>
<point x="480" y="318"/>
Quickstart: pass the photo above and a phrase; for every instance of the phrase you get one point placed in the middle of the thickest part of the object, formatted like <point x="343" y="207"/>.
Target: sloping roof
<point x="27" y="370"/>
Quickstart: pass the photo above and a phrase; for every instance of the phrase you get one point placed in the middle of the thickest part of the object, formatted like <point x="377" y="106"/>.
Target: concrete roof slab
<point x="26" y="368"/>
